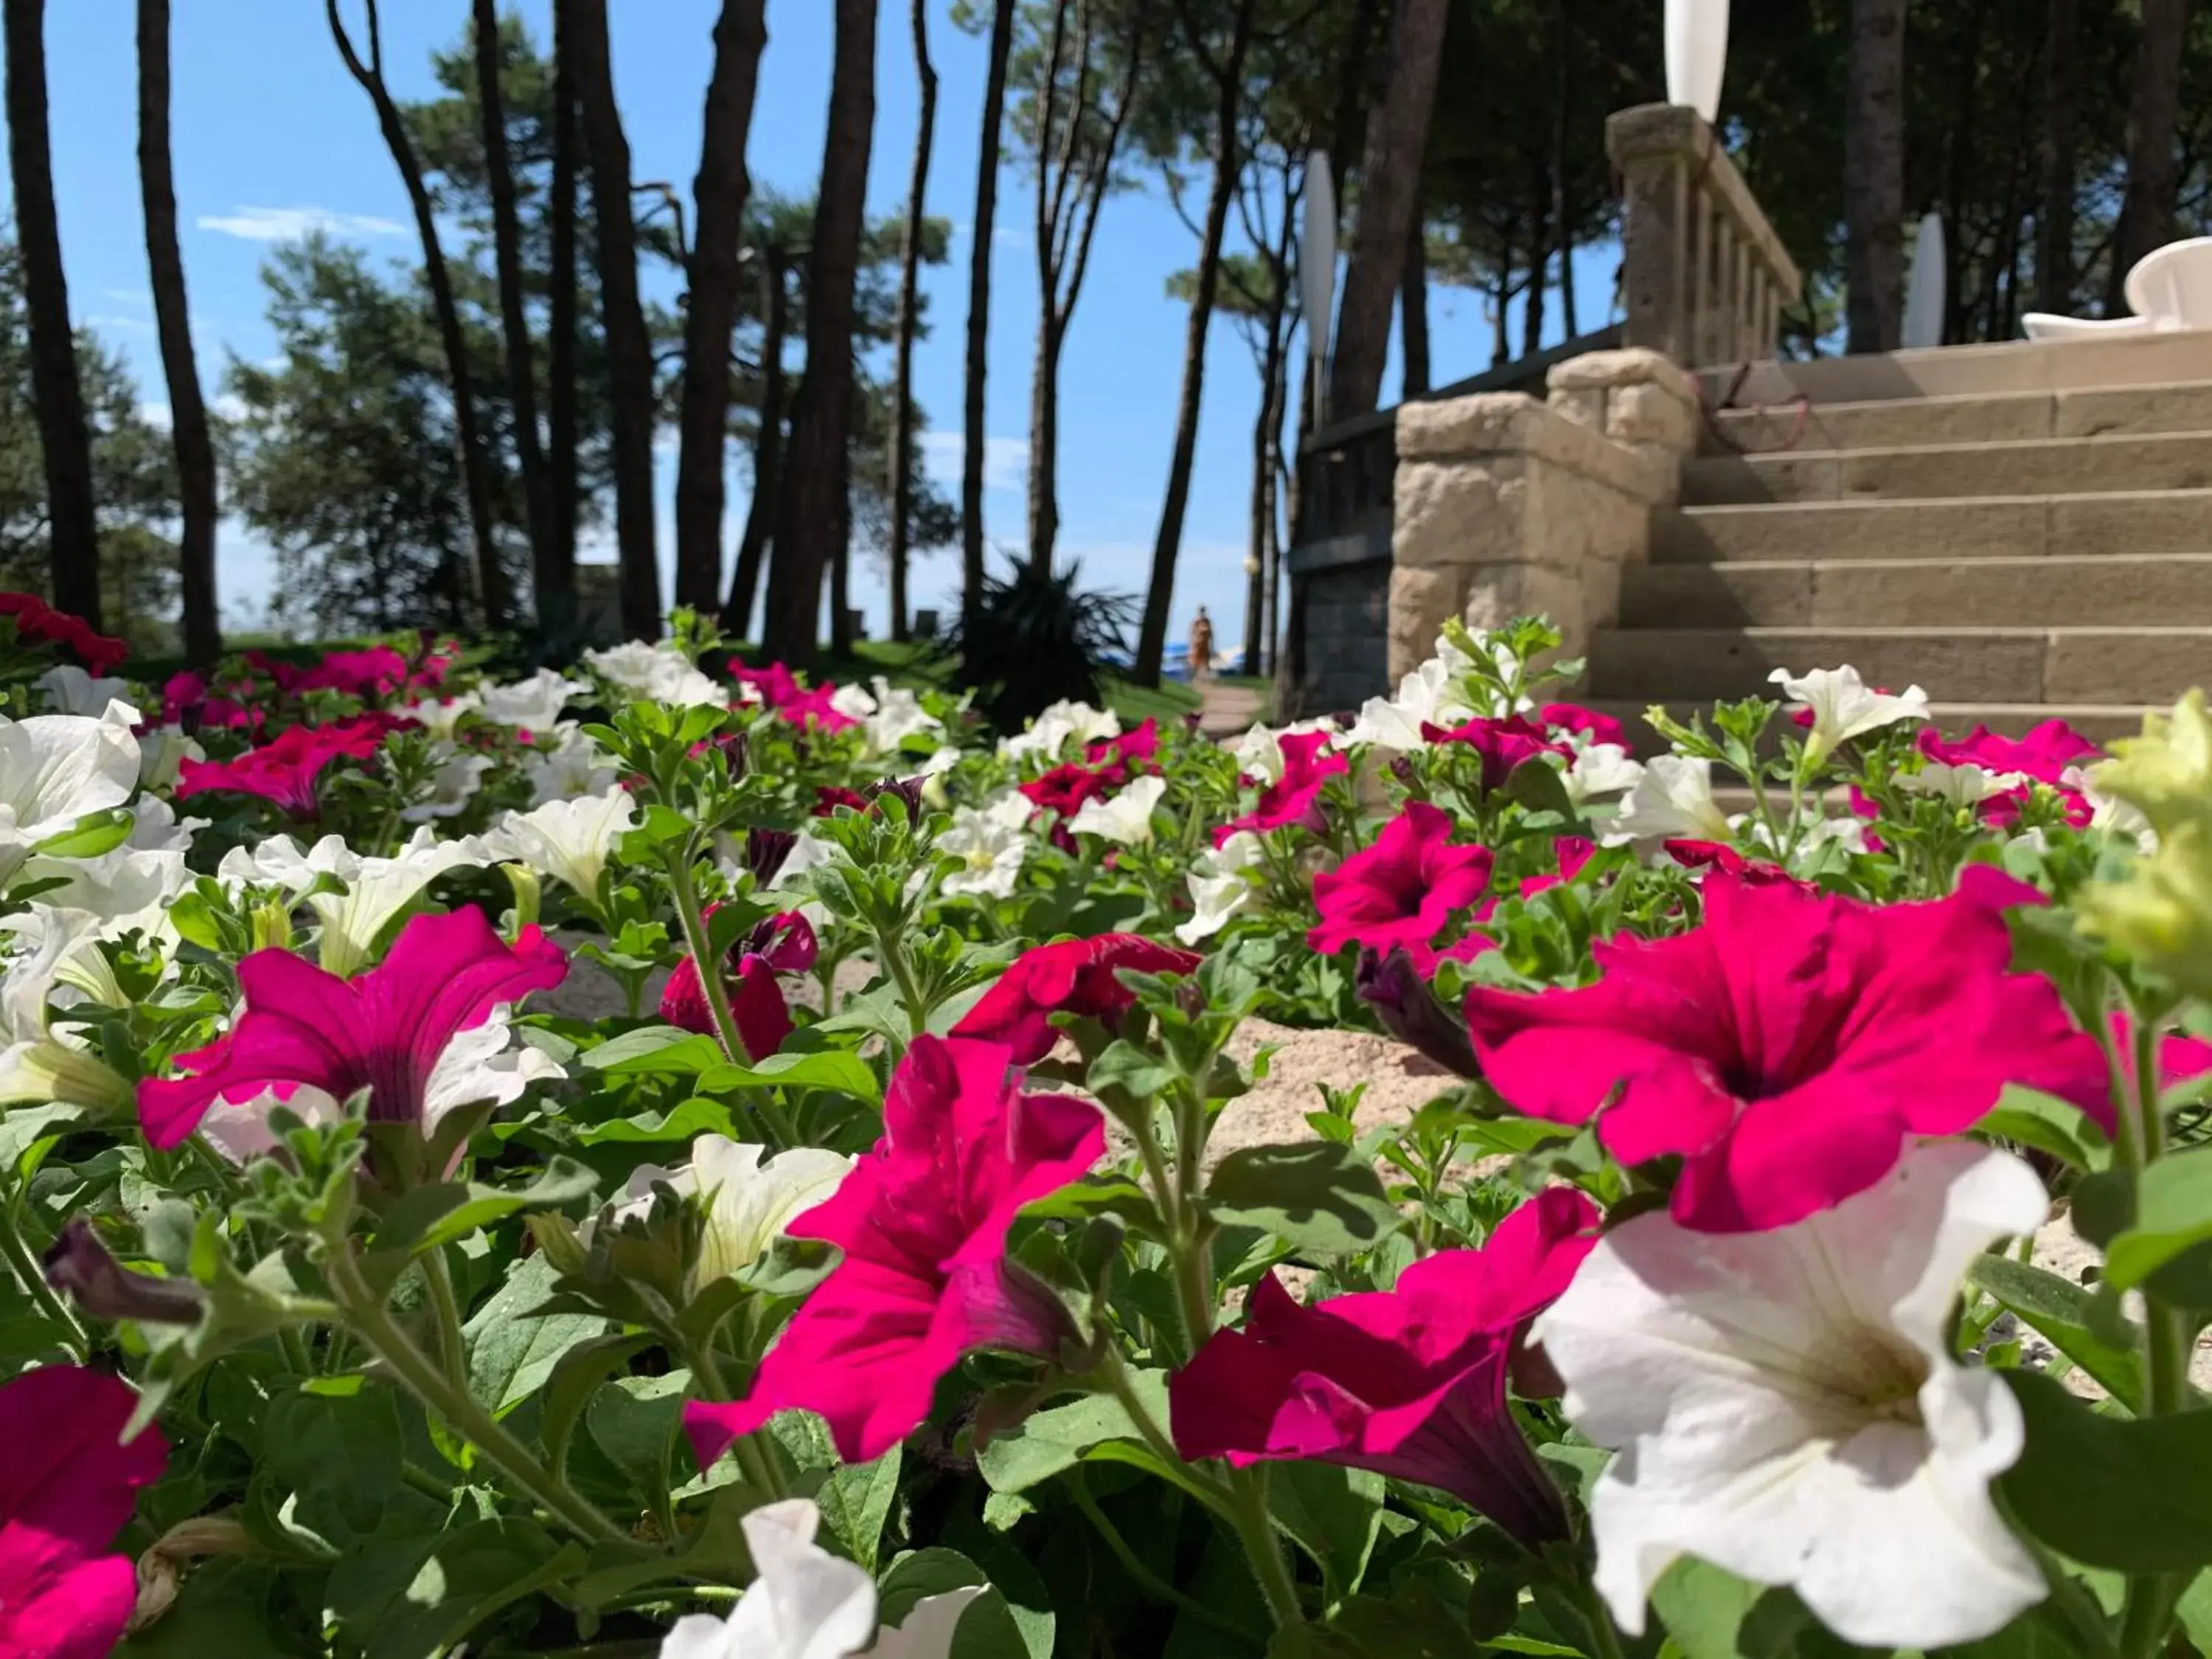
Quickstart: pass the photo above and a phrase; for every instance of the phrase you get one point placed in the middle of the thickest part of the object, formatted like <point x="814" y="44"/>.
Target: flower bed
<point x="644" y="1161"/>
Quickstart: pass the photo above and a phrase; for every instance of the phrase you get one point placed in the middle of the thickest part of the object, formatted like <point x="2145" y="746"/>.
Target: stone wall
<point x="1346" y="659"/>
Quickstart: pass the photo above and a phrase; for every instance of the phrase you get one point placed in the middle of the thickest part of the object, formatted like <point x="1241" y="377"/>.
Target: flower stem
<point x="372" y="1321"/>
<point x="1249" y="1510"/>
<point x="24" y="1262"/>
<point x="1146" y="1580"/>
<point x="779" y="1131"/>
<point x="755" y="1456"/>
<point x="1603" y="1637"/>
<point x="451" y="1351"/>
<point x="902" y="972"/>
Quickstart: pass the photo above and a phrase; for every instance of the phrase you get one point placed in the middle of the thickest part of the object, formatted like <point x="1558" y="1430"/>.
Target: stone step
<point x="2140" y="359"/>
<point x="2053" y="466"/>
<point x="2117" y="590"/>
<point x="2101" y="722"/>
<point x="2074" y="665"/>
<point x="1978" y="417"/>
<point x="2000" y="527"/>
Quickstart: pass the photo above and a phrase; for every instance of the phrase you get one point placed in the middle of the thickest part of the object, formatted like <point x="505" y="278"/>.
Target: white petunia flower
<point x="129" y="889"/>
<point x="1047" y="734"/>
<point x="806" y="1603"/>
<point x="896" y="715"/>
<point x="483" y="1064"/>
<point x="1843" y="708"/>
<point x="570" y="841"/>
<point x="379" y="890"/>
<point x="452" y="786"/>
<point x="1600" y="769"/>
<point x="574" y="766"/>
<point x="279" y="862"/>
<point x="992" y="845"/>
<point x="55" y="769"/>
<point x="71" y="690"/>
<point x="1961" y="785"/>
<point x="748" y="1203"/>
<point x="1221" y="885"/>
<point x="1784" y="1405"/>
<point x="2109" y="812"/>
<point x="162" y="752"/>
<point x="1260" y="751"/>
<point x="1127" y="818"/>
<point x="1430" y="695"/>
<point x="534" y="704"/>
<point x="60" y="949"/>
<point x="631" y="665"/>
<point x="1672" y="801"/>
<point x="441" y="716"/>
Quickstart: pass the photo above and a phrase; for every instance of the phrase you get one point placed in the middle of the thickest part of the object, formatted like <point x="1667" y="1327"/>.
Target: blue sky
<point x="271" y="136"/>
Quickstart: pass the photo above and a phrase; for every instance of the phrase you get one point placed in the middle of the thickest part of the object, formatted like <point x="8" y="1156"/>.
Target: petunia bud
<point x="2161" y="913"/>
<point x="908" y="790"/>
<point x="1410" y="1011"/>
<point x="766" y="851"/>
<point x="83" y="1268"/>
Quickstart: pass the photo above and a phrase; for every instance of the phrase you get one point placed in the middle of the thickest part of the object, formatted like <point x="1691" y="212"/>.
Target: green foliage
<point x="1037" y="639"/>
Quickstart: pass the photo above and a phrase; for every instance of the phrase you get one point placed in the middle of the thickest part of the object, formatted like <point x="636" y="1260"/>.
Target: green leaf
<point x="2059" y="1312"/>
<point x="837" y="1069"/>
<point x="856" y="1500"/>
<point x="430" y="1216"/>
<point x="1711" y="1614"/>
<point x="1335" y="1514"/>
<point x="655" y="1049"/>
<point x="1315" y="1196"/>
<point x="2032" y="1118"/>
<point x="512" y="1352"/>
<point x="1050" y="1441"/>
<point x="2130" y="1496"/>
<point x="986" y="1629"/>
<point x="634" y="1420"/>
<point x="92" y="834"/>
<point x="2173" y="1214"/>
<point x="693" y="1118"/>
<point x="1125" y="1066"/>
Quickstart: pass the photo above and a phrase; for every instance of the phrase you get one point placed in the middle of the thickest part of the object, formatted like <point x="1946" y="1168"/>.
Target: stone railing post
<point x="1705" y="277"/>
<point x="1506" y="506"/>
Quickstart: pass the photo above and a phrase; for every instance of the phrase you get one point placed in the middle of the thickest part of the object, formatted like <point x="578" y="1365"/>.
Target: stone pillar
<point x="1505" y="506"/>
<point x="1635" y="397"/>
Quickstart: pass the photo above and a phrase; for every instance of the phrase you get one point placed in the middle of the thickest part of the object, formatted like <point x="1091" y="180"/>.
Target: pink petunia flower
<point x="1293" y="800"/>
<point x="1063" y="790"/>
<point x="67" y="1486"/>
<point x="1723" y="860"/>
<point x="2043" y="754"/>
<point x="1505" y="745"/>
<point x="781" y="944"/>
<point x="288" y="769"/>
<point x="922" y="1220"/>
<point x="1409" y="1382"/>
<point x="369" y="675"/>
<point x="1073" y="976"/>
<point x="386" y="1031"/>
<point x="1406" y="889"/>
<point x="1787" y="1047"/>
<point x="1574" y="718"/>
<point x="1121" y="758"/>
<point x="38" y="622"/>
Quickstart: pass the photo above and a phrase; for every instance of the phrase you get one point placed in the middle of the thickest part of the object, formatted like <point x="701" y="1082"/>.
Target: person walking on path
<point x="1202" y="648"/>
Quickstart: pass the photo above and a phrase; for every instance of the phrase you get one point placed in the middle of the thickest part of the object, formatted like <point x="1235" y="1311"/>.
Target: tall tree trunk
<point x="2147" y="211"/>
<point x="72" y="528"/>
<point x="720" y="191"/>
<point x="629" y="351"/>
<point x="556" y="575"/>
<point x="1539" y="245"/>
<point x="1413" y="308"/>
<point x="1873" y="176"/>
<point x="768" y="449"/>
<point x="476" y="466"/>
<point x="514" y="323"/>
<point x="2062" y="118"/>
<point x="188" y="421"/>
<point x="1265" y="430"/>
<point x="821" y="418"/>
<point x="1228" y="164"/>
<point x="1389" y="185"/>
<point x="1563" y="129"/>
<point x="841" y="563"/>
<point x="901" y="451"/>
<point x="979" y="308"/>
<point x="1043" y="526"/>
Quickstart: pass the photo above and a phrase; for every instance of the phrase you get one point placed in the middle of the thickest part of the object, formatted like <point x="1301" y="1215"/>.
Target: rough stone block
<point x="1459" y="513"/>
<point x="1585" y="408"/>
<point x="1421" y="602"/>
<point x="1496" y="593"/>
<point x="1477" y="425"/>
<point x="1629" y="366"/>
<point x="1652" y="412"/>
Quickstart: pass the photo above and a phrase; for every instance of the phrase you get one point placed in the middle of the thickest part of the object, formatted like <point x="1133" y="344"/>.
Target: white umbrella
<point x="1924" y="294"/>
<point x="1317" y="262"/>
<point x="1697" y="53"/>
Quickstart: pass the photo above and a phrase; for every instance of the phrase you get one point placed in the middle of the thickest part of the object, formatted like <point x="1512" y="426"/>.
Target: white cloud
<point x="134" y="324"/>
<point x="1006" y="460"/>
<point x="156" y="415"/>
<point x="262" y="224"/>
<point x="224" y="405"/>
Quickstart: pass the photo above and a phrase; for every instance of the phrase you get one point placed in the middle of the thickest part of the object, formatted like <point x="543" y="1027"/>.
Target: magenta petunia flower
<point x="369" y="675"/>
<point x="2043" y="754"/>
<point x="288" y="769"/>
<point x="1293" y="800"/>
<point x="1073" y="976"/>
<point x="38" y="622"/>
<point x="1583" y="722"/>
<point x="1064" y="789"/>
<point x="1405" y="891"/>
<point x="67" y="1486"/>
<point x="1505" y="745"/>
<point x="1121" y="758"/>
<point x="1786" y="1048"/>
<point x="1409" y="1382"/>
<point x="384" y="1031"/>
<point x="922" y="1220"/>
<point x="781" y="944"/>
<point x="1722" y="859"/>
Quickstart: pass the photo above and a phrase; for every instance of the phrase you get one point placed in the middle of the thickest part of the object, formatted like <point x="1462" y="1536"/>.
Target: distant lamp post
<point x="1925" y="293"/>
<point x="1317" y="270"/>
<point x="1697" y="54"/>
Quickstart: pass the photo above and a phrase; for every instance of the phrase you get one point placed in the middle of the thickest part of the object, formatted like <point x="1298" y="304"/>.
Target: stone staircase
<point x="2024" y="529"/>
